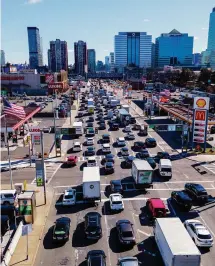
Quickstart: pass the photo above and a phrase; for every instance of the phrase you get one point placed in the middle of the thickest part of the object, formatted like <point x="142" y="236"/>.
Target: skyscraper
<point x="111" y="61"/>
<point x="196" y="59"/>
<point x="91" y="59"/>
<point x="211" y="31"/>
<point x="2" y="58"/>
<point x="35" y="47"/>
<point x="80" y="53"/>
<point x="153" y="56"/>
<point x="133" y="48"/>
<point x="58" y="55"/>
<point x="49" y="59"/>
<point x="173" y="48"/>
<point x="107" y="63"/>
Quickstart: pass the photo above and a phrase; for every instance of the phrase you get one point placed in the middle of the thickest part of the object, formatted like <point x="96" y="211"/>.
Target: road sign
<point x="26" y="229"/>
<point x="40" y="175"/>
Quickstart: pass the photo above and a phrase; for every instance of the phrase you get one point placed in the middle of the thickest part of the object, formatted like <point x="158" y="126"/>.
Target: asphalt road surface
<point x="75" y="250"/>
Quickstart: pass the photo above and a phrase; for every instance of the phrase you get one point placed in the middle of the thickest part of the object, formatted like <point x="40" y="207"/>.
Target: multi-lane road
<point x="75" y="250"/>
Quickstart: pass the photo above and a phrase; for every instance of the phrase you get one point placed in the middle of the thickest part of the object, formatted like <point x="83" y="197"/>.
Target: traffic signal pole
<point x="43" y="164"/>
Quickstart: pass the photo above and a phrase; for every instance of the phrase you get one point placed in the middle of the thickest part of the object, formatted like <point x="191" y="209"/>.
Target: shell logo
<point x="201" y="103"/>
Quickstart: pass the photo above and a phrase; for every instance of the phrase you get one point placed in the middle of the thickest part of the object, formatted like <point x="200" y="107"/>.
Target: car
<point x="90" y="151"/>
<point x="61" y="230"/>
<point x="152" y="162"/>
<point x="199" y="233"/>
<point x="128" y="261"/>
<point x="136" y="127"/>
<point x="150" y="142"/>
<point x="132" y="120"/>
<point x="91" y="119"/>
<point x="89" y="124"/>
<point x="182" y="199"/>
<point x="124" y="151"/>
<point x="116" y="203"/>
<point x="163" y="155"/>
<point x="109" y="167"/>
<point x="96" y="257"/>
<point x="90" y="131"/>
<point x="72" y="160"/>
<point x="81" y="108"/>
<point x="106" y="148"/>
<point x="102" y="126"/>
<point x="8" y="197"/>
<point x="46" y="130"/>
<point x="125" y="232"/>
<point x="128" y="161"/>
<point x="101" y="121"/>
<point x="91" y="161"/>
<point x="139" y="145"/>
<point x="80" y="114"/>
<point x="90" y="141"/>
<point x="105" y="138"/>
<point x="115" y="126"/>
<point x="142" y="155"/>
<point x="120" y="141"/>
<point x="32" y="104"/>
<point x="69" y="197"/>
<point x="197" y="192"/>
<point x="142" y="132"/>
<point x="130" y="136"/>
<point x="99" y="116"/>
<point x="127" y="129"/>
<point x="92" y="225"/>
<point x="77" y="146"/>
<point x="156" y="208"/>
<point x="109" y="158"/>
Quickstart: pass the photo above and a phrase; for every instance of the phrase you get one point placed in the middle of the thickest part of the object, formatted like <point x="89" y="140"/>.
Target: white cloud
<point x="204" y="28"/>
<point x="70" y="51"/>
<point x="196" y="38"/>
<point x="146" y="20"/>
<point x="31" y="2"/>
<point x="105" y="50"/>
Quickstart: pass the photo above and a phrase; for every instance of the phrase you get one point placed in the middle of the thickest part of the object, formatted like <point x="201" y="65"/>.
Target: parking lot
<point x="75" y="250"/>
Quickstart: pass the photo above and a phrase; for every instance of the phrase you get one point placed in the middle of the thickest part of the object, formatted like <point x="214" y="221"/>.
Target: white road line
<point x="186" y="176"/>
<point x="112" y="139"/>
<point x="107" y="227"/>
<point x="144" y="233"/>
<point x="184" y="181"/>
<point x="207" y="225"/>
<point x="212" y="186"/>
<point x="50" y="179"/>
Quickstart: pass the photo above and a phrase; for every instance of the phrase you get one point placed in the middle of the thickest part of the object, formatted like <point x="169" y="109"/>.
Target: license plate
<point x="60" y="238"/>
<point x="93" y="233"/>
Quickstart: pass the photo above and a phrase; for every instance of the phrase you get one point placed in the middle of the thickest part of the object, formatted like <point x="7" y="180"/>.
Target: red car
<point x="72" y="160"/>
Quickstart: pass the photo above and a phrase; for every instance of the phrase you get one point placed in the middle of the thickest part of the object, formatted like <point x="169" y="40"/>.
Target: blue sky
<point x="97" y="21"/>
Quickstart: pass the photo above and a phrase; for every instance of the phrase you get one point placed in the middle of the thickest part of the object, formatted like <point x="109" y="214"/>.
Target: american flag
<point x="13" y="109"/>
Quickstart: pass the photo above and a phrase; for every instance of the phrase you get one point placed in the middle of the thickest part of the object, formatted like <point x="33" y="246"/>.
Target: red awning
<point x="20" y="123"/>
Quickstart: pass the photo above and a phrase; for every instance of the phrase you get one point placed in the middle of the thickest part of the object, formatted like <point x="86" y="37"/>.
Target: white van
<point x="165" y="167"/>
<point x="8" y="197"/>
<point x="91" y="161"/>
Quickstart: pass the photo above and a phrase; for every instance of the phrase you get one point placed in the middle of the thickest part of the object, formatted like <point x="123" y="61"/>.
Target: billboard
<point x="201" y="103"/>
<point x="49" y="78"/>
<point x="40" y="175"/>
<point x="56" y="85"/>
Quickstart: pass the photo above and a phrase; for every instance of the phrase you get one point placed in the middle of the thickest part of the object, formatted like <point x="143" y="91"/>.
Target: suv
<point x="105" y="138"/>
<point x="8" y="197"/>
<point x="196" y="192"/>
<point x="125" y="232"/>
<point x="139" y="145"/>
<point x="156" y="208"/>
<point x="182" y="199"/>
<point x="96" y="257"/>
<point x="150" y="142"/>
<point x="92" y="225"/>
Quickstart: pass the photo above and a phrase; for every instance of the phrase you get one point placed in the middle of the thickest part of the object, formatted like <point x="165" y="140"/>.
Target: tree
<point x="205" y="75"/>
<point x="186" y="75"/>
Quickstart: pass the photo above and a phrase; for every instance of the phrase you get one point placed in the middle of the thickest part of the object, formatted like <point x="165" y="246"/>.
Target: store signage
<point x="11" y="77"/>
<point x="201" y="103"/>
<point x="36" y="139"/>
<point x="55" y="85"/>
<point x="49" y="78"/>
<point x="199" y="126"/>
<point x="34" y="130"/>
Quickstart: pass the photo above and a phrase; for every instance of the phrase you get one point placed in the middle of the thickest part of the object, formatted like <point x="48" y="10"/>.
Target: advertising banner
<point x="201" y="103"/>
<point x="56" y="85"/>
<point x="36" y="139"/>
<point x="200" y="125"/>
<point x="40" y="175"/>
<point x="34" y="130"/>
<point x="49" y="78"/>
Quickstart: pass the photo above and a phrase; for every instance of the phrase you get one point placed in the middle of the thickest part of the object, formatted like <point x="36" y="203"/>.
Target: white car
<point x="120" y="141"/>
<point x="91" y="161"/>
<point x="199" y="233"/>
<point x="77" y="146"/>
<point x="116" y="203"/>
<point x="69" y="197"/>
<point x="106" y="148"/>
<point x="46" y="129"/>
<point x="127" y="129"/>
<point x="90" y="141"/>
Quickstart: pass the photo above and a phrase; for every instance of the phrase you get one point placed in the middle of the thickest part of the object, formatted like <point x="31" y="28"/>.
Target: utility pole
<point x="43" y="165"/>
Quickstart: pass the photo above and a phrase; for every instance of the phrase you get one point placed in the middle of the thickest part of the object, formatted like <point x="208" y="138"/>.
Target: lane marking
<point x="50" y="179"/>
<point x="207" y="225"/>
<point x="144" y="233"/>
<point x="186" y="176"/>
<point x="106" y="224"/>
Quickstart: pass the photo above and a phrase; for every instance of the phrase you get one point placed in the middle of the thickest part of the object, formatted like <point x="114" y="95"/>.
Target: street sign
<point x="26" y="229"/>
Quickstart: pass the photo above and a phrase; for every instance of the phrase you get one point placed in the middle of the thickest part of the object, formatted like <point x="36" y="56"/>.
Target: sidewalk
<point x="34" y="238"/>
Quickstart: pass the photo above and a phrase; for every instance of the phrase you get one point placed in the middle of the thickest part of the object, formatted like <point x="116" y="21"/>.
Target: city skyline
<point x="148" y="17"/>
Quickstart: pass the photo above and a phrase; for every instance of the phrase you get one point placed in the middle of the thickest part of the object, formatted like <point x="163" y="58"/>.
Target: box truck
<point x="142" y="172"/>
<point x="77" y="128"/>
<point x="175" y="244"/>
<point x="91" y="183"/>
<point x="126" y="107"/>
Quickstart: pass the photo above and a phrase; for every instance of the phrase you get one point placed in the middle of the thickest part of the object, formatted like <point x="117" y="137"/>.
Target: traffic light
<point x="96" y="130"/>
<point x="58" y="142"/>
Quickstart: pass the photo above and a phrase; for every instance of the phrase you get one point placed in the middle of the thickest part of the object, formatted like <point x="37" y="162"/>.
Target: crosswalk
<point x="210" y="167"/>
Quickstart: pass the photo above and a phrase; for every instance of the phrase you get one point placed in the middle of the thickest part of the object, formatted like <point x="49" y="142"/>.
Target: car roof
<point x="77" y="143"/>
<point x="183" y="194"/>
<point x="121" y="138"/>
<point x="116" y="182"/>
<point x="125" y="226"/>
<point x="106" y="135"/>
<point x="69" y="191"/>
<point x="91" y="158"/>
<point x="198" y="187"/>
<point x="131" y="157"/>
<point x="90" y="138"/>
<point x="124" y="148"/>
<point x="106" y="145"/>
<point x="157" y="203"/>
<point x="116" y="197"/>
<point x="110" y="155"/>
<point x="109" y="163"/>
<point x="90" y="148"/>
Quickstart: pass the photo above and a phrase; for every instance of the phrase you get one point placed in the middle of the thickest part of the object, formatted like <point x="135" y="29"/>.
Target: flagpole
<point x="8" y="152"/>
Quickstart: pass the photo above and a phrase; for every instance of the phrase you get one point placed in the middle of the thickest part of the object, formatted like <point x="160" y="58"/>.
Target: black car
<point x="150" y="142"/>
<point x="139" y="145"/>
<point x="115" y="126"/>
<point x="61" y="229"/>
<point x="100" y="115"/>
<point x="125" y="232"/>
<point x="196" y="192"/>
<point x="101" y="120"/>
<point x="163" y="155"/>
<point x="92" y="225"/>
<point x="132" y="120"/>
<point x="136" y="127"/>
<point x="90" y="124"/>
<point x="91" y="119"/>
<point x="182" y="199"/>
<point x="128" y="161"/>
<point x="96" y="258"/>
<point x="80" y="114"/>
<point x="109" y="167"/>
<point x="90" y="151"/>
<point x="102" y="126"/>
<point x="105" y="138"/>
<point x="109" y="158"/>
<point x="152" y="162"/>
<point x="116" y="186"/>
<point x="142" y="155"/>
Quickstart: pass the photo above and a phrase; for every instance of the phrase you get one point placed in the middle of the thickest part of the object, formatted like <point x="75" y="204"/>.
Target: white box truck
<point x="91" y="183"/>
<point x="175" y="244"/>
<point x="142" y="173"/>
<point x="77" y="128"/>
<point x="126" y="107"/>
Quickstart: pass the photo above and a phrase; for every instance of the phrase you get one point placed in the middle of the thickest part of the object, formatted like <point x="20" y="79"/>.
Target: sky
<point x="97" y="21"/>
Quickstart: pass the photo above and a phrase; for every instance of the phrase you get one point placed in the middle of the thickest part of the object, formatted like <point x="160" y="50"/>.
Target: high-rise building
<point x="35" y="47"/>
<point x="133" y="48"/>
<point x="153" y="56"/>
<point x="49" y="59"/>
<point x="174" y="49"/>
<point x="107" y="63"/>
<point x="100" y="66"/>
<point x="2" y="58"/>
<point x="80" y="53"/>
<point x="58" y="55"/>
<point x="211" y="31"/>
<point x="111" y="62"/>
<point x="196" y="59"/>
<point x="91" y="59"/>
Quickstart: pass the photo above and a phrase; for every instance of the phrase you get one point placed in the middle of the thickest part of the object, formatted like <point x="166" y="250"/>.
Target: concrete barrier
<point x="12" y="246"/>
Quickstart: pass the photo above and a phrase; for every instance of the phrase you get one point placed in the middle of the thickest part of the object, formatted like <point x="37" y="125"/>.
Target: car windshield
<point x="204" y="236"/>
<point x="166" y="170"/>
<point x="91" y="161"/>
<point x="117" y="202"/>
<point x="60" y="228"/>
<point x="96" y="261"/>
<point x="68" y="196"/>
<point x="202" y="193"/>
<point x="127" y="234"/>
<point x="109" y="166"/>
